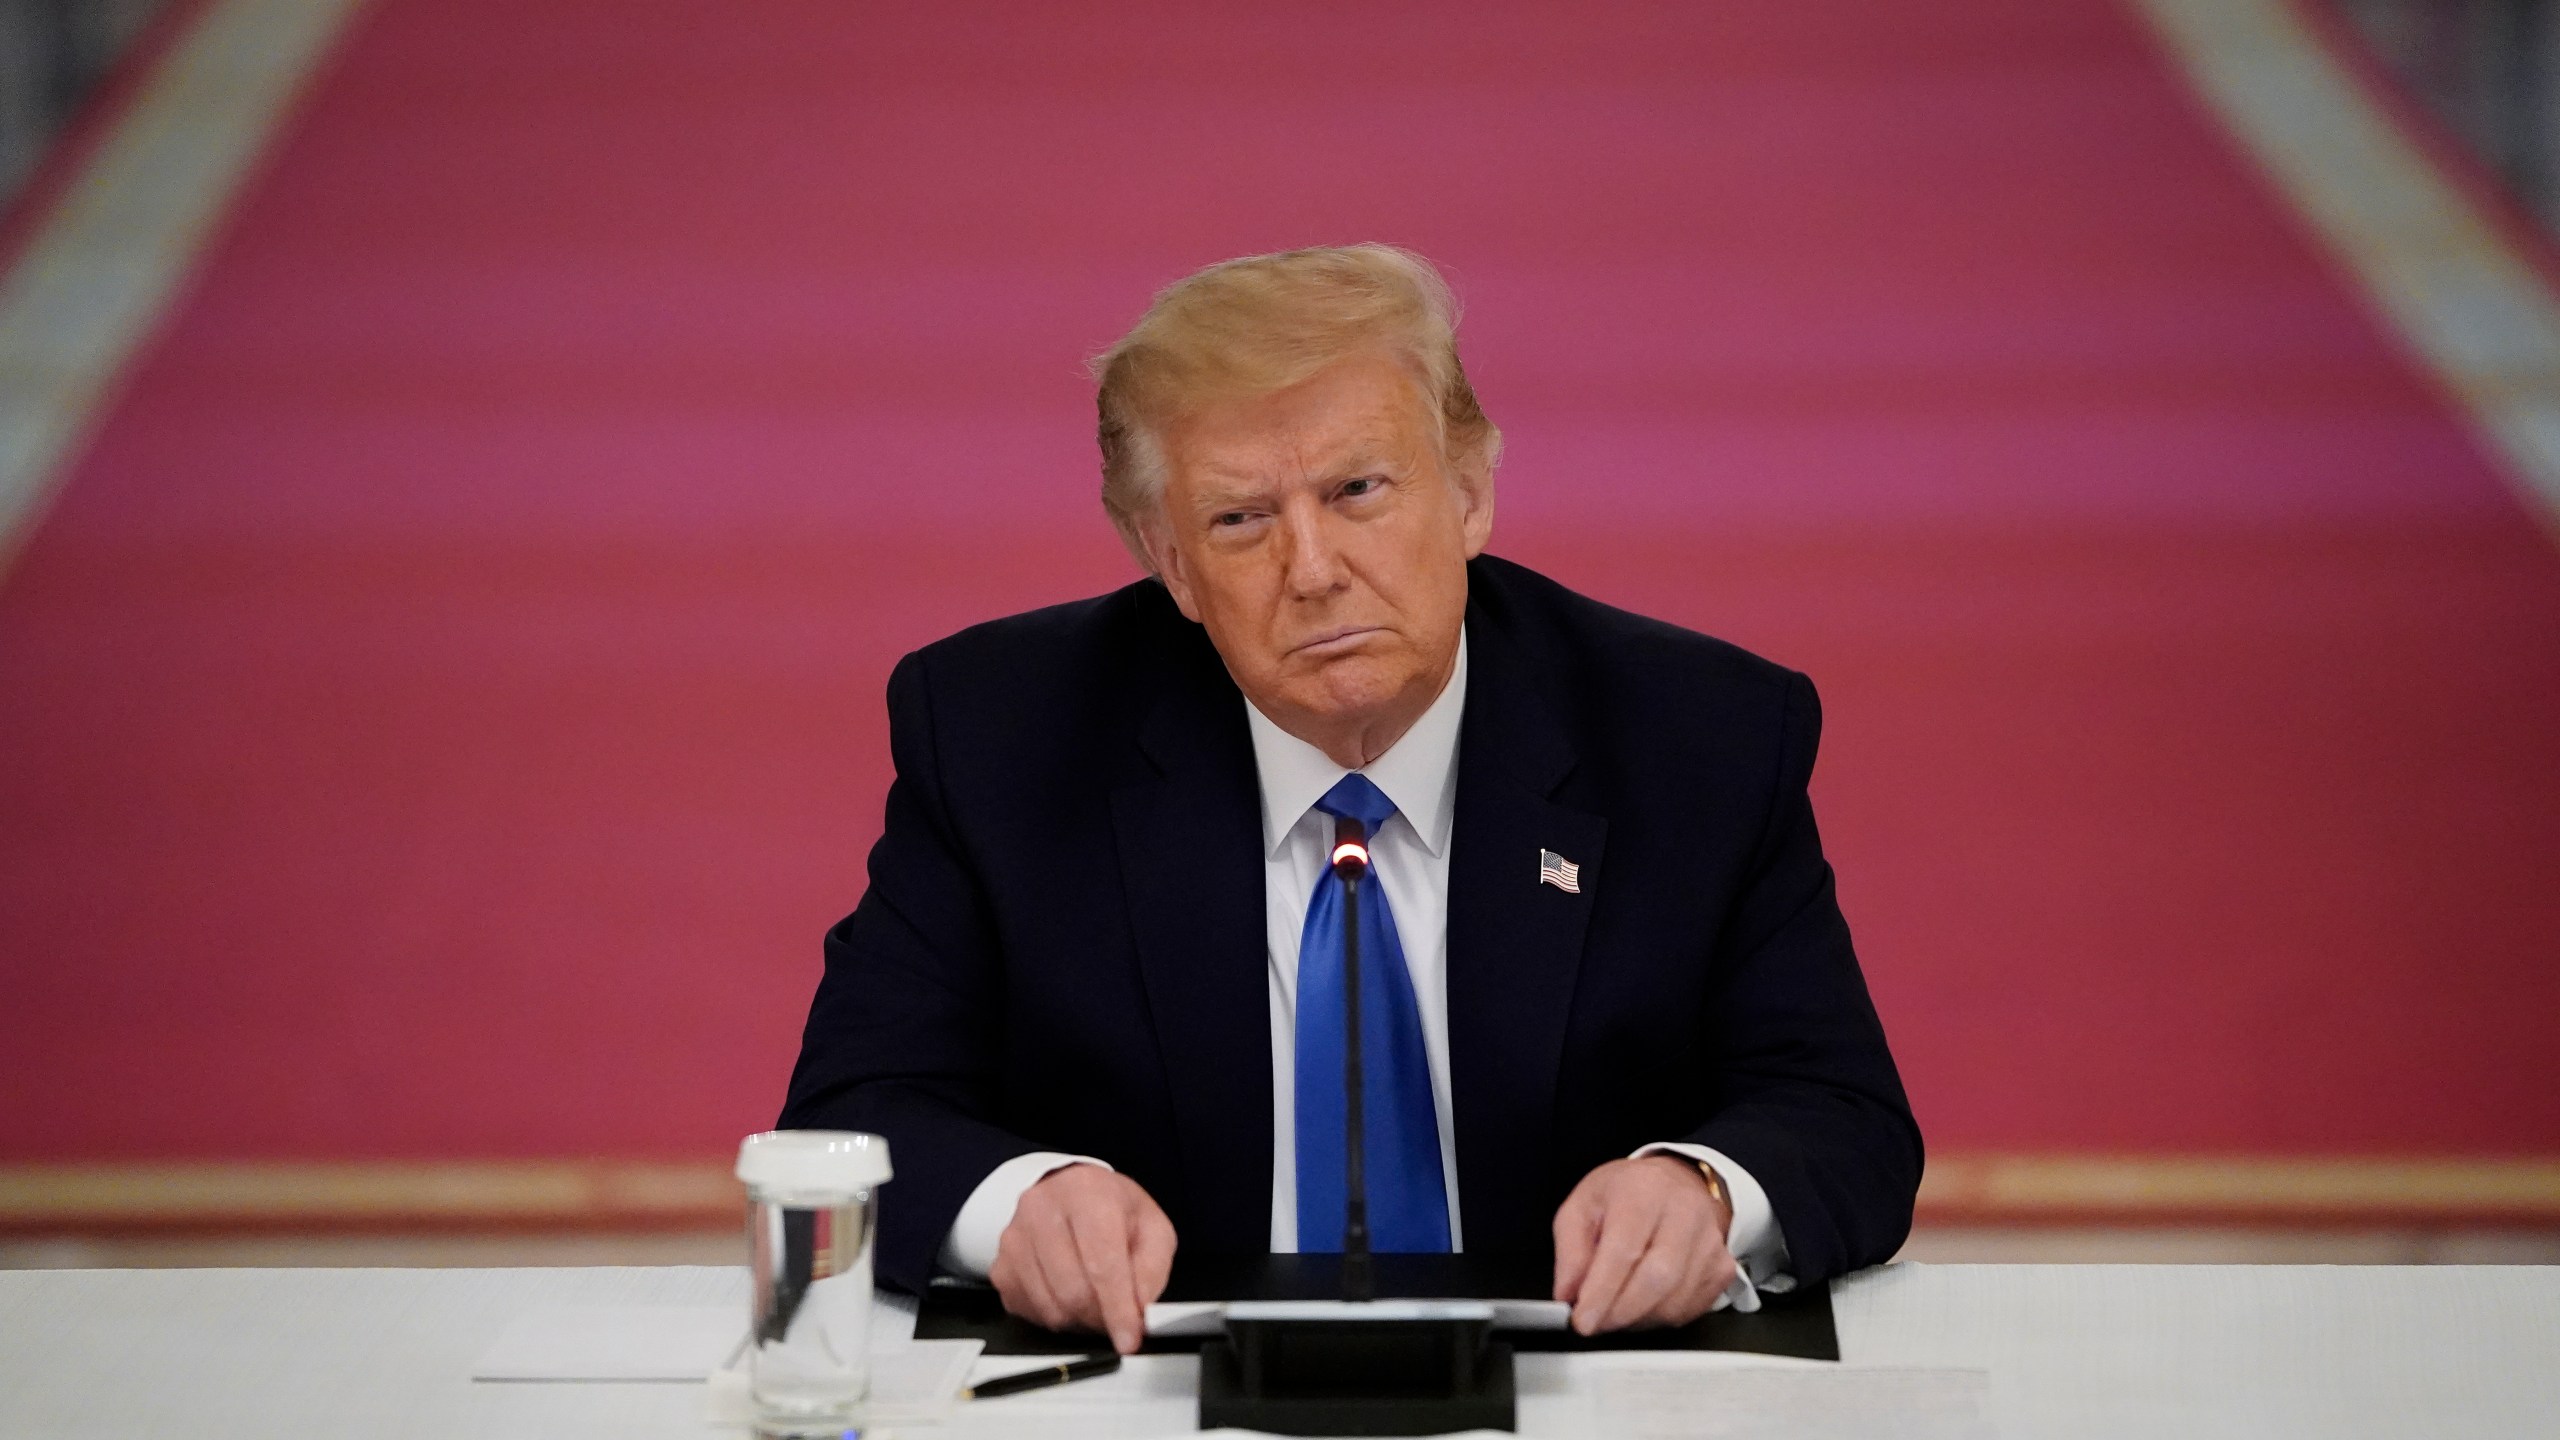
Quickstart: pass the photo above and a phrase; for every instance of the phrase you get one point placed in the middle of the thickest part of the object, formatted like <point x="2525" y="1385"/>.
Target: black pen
<point x="1084" y="1369"/>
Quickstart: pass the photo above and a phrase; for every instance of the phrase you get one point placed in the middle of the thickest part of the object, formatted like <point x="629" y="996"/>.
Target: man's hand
<point x="1088" y="1249"/>
<point x="1642" y="1242"/>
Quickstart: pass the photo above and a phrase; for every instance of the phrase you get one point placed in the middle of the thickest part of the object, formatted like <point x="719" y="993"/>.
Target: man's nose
<point x="1315" y="567"/>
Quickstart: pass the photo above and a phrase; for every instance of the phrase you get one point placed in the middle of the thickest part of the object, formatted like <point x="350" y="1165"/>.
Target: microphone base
<point x="1351" y="1374"/>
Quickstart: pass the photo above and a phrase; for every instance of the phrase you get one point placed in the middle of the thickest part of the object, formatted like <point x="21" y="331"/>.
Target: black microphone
<point x="1427" y="1368"/>
<point x="1350" y="863"/>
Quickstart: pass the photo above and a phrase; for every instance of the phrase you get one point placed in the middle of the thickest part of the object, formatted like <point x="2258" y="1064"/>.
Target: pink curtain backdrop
<point x="443" y="709"/>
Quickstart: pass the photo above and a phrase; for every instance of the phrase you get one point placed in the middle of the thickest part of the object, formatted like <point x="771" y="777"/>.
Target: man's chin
<point x="1347" y="692"/>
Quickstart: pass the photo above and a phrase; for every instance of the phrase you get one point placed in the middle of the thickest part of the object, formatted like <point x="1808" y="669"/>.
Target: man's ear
<point x="1474" y="479"/>
<point x="1166" y="559"/>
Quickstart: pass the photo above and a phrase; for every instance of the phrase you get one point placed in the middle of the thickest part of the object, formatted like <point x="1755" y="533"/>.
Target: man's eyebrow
<point x="1368" y="452"/>
<point x="1225" y="487"/>
<point x="1225" y="492"/>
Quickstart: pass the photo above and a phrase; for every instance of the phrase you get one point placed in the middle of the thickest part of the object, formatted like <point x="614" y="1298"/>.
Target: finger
<point x="1577" y="1230"/>
<point x="1063" y="1269"/>
<point x="1623" y="1233"/>
<point x="1018" y="1281"/>
<point x="1697" y="1289"/>
<point x="1684" y="1242"/>
<point x="1657" y="1272"/>
<point x="1101" y="1235"/>
<point x="1653" y="1282"/>
<point x="1152" y="1251"/>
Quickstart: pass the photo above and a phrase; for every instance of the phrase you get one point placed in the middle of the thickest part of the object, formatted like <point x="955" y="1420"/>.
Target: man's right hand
<point x="1088" y="1249"/>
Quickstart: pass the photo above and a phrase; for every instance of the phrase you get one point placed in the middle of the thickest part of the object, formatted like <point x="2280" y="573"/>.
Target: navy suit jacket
<point x="1062" y="943"/>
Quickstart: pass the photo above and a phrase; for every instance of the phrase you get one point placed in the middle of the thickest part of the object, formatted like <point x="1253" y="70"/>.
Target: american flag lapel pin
<point x="1554" y="869"/>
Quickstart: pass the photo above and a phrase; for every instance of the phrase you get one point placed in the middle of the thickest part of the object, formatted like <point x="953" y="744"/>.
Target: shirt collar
<point x="1419" y="772"/>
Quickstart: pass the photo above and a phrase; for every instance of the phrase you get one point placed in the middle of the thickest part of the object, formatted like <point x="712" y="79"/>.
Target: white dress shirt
<point x="1410" y="859"/>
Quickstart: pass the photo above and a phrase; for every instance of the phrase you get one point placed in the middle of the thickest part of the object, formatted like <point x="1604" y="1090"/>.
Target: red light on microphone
<point x="1350" y="848"/>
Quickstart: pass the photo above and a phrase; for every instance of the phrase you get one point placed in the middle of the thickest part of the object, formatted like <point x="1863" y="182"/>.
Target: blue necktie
<point x="1408" y="1204"/>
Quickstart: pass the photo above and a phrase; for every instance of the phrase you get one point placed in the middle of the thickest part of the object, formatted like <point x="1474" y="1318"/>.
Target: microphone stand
<point x="1351" y="864"/>
<point x="1359" y="1365"/>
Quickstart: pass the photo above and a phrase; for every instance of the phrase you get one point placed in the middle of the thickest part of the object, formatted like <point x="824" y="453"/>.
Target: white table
<point x="2157" y="1352"/>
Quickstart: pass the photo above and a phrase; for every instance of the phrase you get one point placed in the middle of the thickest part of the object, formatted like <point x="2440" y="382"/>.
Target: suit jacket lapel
<point x="1189" y="837"/>
<point x="1515" y="944"/>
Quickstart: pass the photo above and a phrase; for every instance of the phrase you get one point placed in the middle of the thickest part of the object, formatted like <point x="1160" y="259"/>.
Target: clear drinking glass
<point x="809" y="1226"/>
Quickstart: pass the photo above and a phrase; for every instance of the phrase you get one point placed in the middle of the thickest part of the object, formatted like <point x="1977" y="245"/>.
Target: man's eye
<point x="1231" y="517"/>
<point x="1361" y="486"/>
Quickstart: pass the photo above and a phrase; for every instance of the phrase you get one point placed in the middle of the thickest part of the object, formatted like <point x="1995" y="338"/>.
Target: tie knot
<point x="1359" y="799"/>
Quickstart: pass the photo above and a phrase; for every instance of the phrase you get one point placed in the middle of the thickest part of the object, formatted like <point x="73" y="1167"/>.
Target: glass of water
<point x="809" y="1226"/>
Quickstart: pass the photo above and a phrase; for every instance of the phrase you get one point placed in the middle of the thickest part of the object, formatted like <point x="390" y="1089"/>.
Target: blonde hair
<point x="1261" y="324"/>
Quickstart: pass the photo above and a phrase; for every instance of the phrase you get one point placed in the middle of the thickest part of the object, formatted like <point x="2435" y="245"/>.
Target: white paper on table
<point x="912" y="1381"/>
<point x="1178" y="1319"/>
<point x="1181" y="1318"/>
<point x="1702" y="1397"/>
<point x="614" y="1342"/>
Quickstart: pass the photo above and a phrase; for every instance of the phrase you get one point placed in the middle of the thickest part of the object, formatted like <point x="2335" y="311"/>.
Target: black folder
<point x="1797" y="1323"/>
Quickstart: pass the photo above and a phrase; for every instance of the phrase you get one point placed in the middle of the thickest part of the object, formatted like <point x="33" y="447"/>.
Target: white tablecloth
<point x="2156" y="1352"/>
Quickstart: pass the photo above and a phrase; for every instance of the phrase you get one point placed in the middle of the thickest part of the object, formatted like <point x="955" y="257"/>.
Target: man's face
<point x="1322" y="540"/>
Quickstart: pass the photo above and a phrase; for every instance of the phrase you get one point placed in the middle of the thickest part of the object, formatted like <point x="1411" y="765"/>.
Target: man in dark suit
<point x="1093" y="994"/>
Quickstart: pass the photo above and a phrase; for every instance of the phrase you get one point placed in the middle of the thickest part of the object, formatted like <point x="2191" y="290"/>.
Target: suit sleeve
<point x="903" y="1037"/>
<point x="1807" y="1096"/>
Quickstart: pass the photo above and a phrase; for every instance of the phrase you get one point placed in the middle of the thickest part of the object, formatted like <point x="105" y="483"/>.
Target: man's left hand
<point x="1641" y="1243"/>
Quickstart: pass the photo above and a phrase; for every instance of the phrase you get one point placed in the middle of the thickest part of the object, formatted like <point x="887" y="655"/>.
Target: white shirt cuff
<point x="1759" y="1248"/>
<point x="970" y="1248"/>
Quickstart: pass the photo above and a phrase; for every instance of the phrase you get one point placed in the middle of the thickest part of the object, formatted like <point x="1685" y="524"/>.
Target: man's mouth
<point x="1334" y="642"/>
